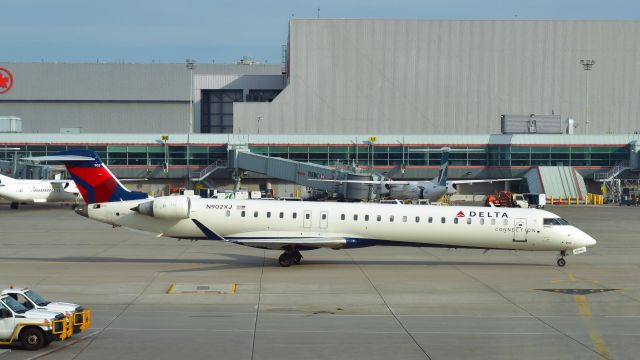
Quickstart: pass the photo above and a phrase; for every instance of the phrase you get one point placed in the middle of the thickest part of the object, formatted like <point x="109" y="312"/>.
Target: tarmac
<point x="159" y="298"/>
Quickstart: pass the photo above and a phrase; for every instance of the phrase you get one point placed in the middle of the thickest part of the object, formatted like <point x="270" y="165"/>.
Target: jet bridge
<point x="301" y="173"/>
<point x="557" y="181"/>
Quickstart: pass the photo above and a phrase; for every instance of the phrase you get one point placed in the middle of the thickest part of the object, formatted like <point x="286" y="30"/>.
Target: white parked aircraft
<point x="298" y="225"/>
<point x="20" y="191"/>
<point x="431" y="190"/>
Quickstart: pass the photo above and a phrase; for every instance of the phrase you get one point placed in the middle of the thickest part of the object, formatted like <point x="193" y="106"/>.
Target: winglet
<point x="210" y="234"/>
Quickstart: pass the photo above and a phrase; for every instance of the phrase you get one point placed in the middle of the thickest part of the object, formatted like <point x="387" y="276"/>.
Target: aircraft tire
<point x="297" y="257"/>
<point x="286" y="260"/>
<point x="561" y="262"/>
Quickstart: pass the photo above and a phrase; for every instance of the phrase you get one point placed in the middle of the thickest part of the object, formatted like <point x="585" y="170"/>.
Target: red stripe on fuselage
<point x="98" y="178"/>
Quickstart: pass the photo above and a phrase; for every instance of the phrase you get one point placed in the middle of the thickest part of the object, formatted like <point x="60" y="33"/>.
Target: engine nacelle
<point x="166" y="207"/>
<point x="452" y="189"/>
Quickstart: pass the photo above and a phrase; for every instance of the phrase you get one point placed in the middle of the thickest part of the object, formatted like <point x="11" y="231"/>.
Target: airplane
<point x="294" y="226"/>
<point x="431" y="190"/>
<point x="19" y="191"/>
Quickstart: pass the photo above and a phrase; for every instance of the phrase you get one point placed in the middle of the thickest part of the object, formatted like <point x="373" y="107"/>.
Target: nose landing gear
<point x="561" y="261"/>
<point x="290" y="257"/>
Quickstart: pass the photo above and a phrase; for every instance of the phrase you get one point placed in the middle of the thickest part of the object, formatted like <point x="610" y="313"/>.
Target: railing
<point x="613" y="172"/>
<point x="200" y="175"/>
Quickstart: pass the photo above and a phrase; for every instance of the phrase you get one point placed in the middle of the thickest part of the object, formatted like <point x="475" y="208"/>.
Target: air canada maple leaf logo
<point x="6" y="80"/>
<point x="460" y="214"/>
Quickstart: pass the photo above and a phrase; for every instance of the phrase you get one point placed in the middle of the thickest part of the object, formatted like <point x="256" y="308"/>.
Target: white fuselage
<point x="349" y="224"/>
<point x="40" y="191"/>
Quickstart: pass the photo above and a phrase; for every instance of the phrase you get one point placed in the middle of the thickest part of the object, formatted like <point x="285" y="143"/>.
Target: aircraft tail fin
<point x="444" y="168"/>
<point x="96" y="182"/>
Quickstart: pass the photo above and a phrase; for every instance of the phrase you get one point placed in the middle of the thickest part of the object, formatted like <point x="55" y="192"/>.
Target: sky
<point x="221" y="31"/>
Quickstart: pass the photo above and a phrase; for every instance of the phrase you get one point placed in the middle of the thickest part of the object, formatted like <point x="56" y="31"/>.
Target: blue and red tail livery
<point x="94" y="180"/>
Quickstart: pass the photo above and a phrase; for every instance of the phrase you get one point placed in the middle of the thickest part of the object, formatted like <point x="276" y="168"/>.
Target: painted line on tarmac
<point x="585" y="312"/>
<point x="65" y="345"/>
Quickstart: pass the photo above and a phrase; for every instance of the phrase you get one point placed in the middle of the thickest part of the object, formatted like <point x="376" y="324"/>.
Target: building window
<point x="216" y="112"/>
<point x="261" y="95"/>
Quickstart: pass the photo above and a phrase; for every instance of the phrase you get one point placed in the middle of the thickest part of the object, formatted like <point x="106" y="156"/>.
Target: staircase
<point x="204" y="173"/>
<point x="612" y="173"/>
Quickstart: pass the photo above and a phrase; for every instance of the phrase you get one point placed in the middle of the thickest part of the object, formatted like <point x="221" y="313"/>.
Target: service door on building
<point x="520" y="230"/>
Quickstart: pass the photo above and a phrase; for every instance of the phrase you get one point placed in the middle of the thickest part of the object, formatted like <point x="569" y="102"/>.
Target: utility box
<point x="531" y="124"/>
<point x="10" y="124"/>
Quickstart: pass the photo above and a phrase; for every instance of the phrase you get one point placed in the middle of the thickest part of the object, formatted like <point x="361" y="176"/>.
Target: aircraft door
<point x="520" y="230"/>
<point x="324" y="219"/>
<point x="307" y="218"/>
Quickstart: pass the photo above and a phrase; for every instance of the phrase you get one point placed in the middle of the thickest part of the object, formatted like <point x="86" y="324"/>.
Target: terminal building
<point x="358" y="94"/>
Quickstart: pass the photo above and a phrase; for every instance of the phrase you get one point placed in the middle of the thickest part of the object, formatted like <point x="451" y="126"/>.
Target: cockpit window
<point x="555" y="221"/>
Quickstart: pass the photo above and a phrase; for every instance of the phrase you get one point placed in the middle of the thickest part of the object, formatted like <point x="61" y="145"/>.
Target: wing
<point x="369" y="182"/>
<point x="274" y="243"/>
<point x="455" y="182"/>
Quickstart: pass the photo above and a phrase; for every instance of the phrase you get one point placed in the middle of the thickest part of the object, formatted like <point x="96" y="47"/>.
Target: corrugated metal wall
<point x="442" y="76"/>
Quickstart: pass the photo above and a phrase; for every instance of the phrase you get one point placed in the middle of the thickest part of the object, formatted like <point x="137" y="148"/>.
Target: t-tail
<point x="441" y="179"/>
<point x="94" y="180"/>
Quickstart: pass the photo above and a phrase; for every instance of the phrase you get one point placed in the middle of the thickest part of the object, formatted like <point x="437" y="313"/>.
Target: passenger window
<point x="355" y="217"/>
<point x="430" y="219"/>
<point x="324" y="216"/>
<point x="443" y="220"/>
<point x="505" y="222"/>
<point x="468" y="220"/>
<point x="493" y="221"/>
<point x="307" y="216"/>
<point x="243" y="213"/>
<point x="255" y="214"/>
<point x="281" y="215"/>
<point x="228" y="213"/>
<point x="379" y="218"/>
<point x="391" y="218"/>
<point x="294" y="215"/>
<point x="404" y="219"/>
<point x="481" y="221"/>
<point x="366" y="218"/>
<point x="455" y="220"/>
<point x="342" y="217"/>
<point x="417" y="219"/>
<point x="268" y="214"/>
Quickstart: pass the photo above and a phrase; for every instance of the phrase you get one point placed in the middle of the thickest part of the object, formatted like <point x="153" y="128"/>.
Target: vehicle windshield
<point x="556" y="221"/>
<point x="14" y="305"/>
<point x="36" y="298"/>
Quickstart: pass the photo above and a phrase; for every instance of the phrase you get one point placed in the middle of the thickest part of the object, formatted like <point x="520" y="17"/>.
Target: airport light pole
<point x="587" y="65"/>
<point x="191" y="64"/>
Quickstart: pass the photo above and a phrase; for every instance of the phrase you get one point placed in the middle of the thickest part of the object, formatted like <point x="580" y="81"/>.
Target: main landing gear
<point x="561" y="262"/>
<point x="290" y="257"/>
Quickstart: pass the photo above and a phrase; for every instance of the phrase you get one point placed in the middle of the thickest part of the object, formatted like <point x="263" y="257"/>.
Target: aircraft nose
<point x="589" y="241"/>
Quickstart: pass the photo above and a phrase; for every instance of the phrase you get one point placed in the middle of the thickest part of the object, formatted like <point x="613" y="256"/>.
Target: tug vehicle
<point x="30" y="299"/>
<point x="35" y="328"/>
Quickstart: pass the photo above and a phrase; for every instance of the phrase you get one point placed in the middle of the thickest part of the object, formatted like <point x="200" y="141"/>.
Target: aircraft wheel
<point x="561" y="262"/>
<point x="14" y="205"/>
<point x="297" y="257"/>
<point x="286" y="260"/>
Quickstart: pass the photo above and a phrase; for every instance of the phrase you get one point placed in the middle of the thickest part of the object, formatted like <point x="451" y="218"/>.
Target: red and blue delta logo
<point x="6" y="80"/>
